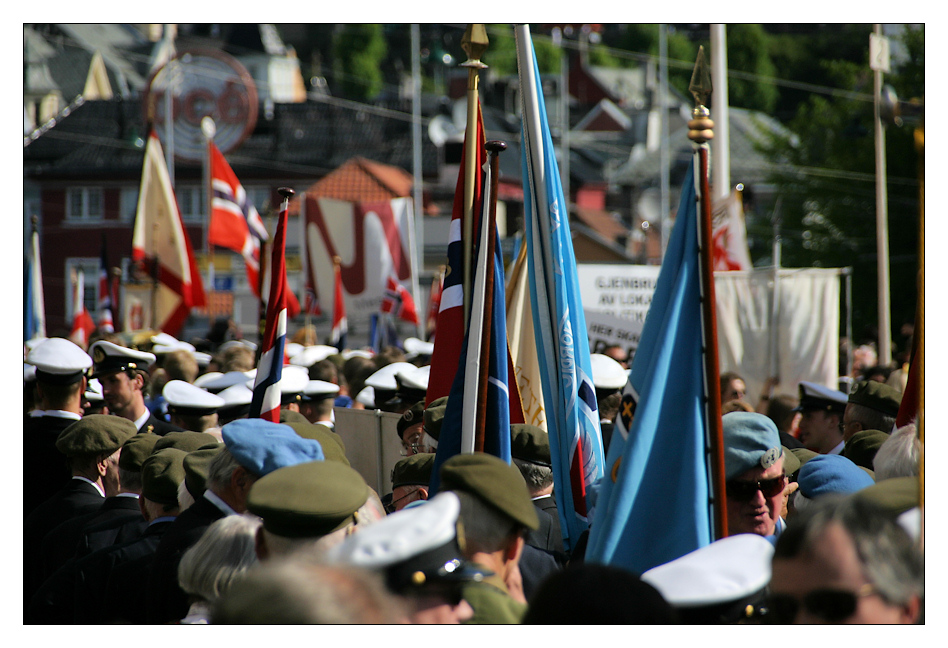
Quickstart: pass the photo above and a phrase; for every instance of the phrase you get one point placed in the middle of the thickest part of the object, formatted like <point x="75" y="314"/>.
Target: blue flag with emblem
<point x="569" y="397"/>
<point x="653" y="503"/>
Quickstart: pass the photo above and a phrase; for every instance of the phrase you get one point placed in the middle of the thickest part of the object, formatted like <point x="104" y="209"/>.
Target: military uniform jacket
<point x="74" y="499"/>
<point x="491" y="602"/>
<point x="166" y="600"/>
<point x="157" y="426"/>
<point x="45" y="470"/>
<point x="61" y="543"/>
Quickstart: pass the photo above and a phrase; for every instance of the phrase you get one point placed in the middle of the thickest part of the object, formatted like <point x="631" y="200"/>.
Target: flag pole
<point x="495" y="148"/>
<point x="474" y="43"/>
<point x="209" y="129"/>
<point x="700" y="131"/>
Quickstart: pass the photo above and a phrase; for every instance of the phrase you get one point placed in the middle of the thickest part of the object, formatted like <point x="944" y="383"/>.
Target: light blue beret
<point x="262" y="446"/>
<point x="750" y="440"/>
<point x="825" y="474"/>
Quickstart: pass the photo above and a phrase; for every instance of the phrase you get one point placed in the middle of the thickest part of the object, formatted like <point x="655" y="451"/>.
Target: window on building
<point x="128" y="203"/>
<point x="84" y="204"/>
<point x="191" y="202"/>
<point x="90" y="284"/>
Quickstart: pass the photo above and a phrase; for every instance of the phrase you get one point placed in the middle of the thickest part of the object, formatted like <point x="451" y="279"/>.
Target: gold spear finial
<point x="474" y="43"/>
<point x="700" y="127"/>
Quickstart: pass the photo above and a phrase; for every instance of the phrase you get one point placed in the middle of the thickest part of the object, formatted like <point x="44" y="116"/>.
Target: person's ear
<point x="423" y="493"/>
<point x="514" y="548"/>
<point x="911" y="610"/>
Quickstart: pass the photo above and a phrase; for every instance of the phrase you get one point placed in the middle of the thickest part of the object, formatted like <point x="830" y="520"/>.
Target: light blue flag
<point x="654" y="506"/>
<point x="560" y="326"/>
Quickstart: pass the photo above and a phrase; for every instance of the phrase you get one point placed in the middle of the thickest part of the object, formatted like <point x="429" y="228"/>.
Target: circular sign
<point x="203" y="84"/>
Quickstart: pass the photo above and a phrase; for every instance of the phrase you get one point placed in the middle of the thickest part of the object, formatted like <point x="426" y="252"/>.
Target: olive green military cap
<point x="162" y="474"/>
<point x="96" y="434"/>
<point x="308" y="500"/>
<point x="434" y="415"/>
<point x="494" y="481"/>
<point x="791" y="463"/>
<point x="803" y="455"/>
<point x="195" y="469"/>
<point x="412" y="416"/>
<point x="877" y="396"/>
<point x="896" y="495"/>
<point x="331" y="443"/>
<point x="187" y="440"/>
<point x="530" y="443"/>
<point x="862" y="447"/>
<point x="136" y="450"/>
<point x="413" y="470"/>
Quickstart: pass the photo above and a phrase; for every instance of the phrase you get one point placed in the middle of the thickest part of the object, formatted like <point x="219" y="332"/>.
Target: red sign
<point x="203" y="83"/>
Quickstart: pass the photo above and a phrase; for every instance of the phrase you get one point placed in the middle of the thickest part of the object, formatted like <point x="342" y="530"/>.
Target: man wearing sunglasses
<point x="755" y="480"/>
<point x="843" y="560"/>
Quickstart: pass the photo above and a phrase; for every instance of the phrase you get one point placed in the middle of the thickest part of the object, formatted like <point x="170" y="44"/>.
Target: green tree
<point x="501" y="54"/>
<point x="358" y="51"/>
<point x="826" y="185"/>
<point x="748" y="51"/>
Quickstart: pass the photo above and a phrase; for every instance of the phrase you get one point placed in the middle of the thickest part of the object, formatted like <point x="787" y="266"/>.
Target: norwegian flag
<point x="398" y="301"/>
<point x="82" y="324"/>
<point x="235" y="223"/>
<point x="340" y="325"/>
<point x="265" y="403"/>
<point x="106" y="303"/>
<point x="729" y="235"/>
<point x="434" y="305"/>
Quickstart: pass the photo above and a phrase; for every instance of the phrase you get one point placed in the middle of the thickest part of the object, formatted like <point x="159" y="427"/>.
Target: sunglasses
<point x="830" y="605"/>
<point x="747" y="490"/>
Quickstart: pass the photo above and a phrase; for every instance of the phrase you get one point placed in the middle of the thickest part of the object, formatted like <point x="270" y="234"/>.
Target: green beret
<point x="195" y="469"/>
<point x="896" y="495"/>
<point x="529" y="443"/>
<point x="136" y="450"/>
<point x="162" y="474"/>
<point x="412" y="416"/>
<point x="862" y="447"/>
<point x="434" y="415"/>
<point x="877" y="396"/>
<point x="494" y="481"/>
<point x="803" y="455"/>
<point x="791" y="463"/>
<point x="96" y="434"/>
<point x="331" y="443"/>
<point x="413" y="470"/>
<point x="307" y="500"/>
<point x="187" y="441"/>
<point x="291" y="416"/>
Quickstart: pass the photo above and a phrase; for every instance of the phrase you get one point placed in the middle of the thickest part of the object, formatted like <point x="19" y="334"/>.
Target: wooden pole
<point x="474" y="42"/>
<point x="700" y="131"/>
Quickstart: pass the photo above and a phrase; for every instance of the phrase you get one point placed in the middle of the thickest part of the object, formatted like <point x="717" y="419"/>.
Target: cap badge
<point x="769" y="458"/>
<point x="98" y="354"/>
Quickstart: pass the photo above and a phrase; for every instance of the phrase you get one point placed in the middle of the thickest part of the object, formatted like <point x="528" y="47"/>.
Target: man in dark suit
<point x="61" y="378"/>
<point x="252" y="448"/>
<point x="123" y="373"/>
<point x="92" y="446"/>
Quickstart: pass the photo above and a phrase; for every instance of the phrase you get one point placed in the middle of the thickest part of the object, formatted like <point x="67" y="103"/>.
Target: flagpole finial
<point x="474" y="43"/>
<point x="337" y="260"/>
<point x="495" y="146"/>
<point x="700" y="127"/>
<point x="34" y="221"/>
<point x="286" y="192"/>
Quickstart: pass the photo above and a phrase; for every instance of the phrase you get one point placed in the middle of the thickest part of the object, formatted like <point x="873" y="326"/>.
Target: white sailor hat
<point x="203" y="359"/>
<point x="719" y="581"/>
<point x="384" y="378"/>
<point x="237" y="399"/>
<point x="29" y="373"/>
<point x="366" y="396"/>
<point x="293" y="381"/>
<point x="312" y="354"/>
<point x="291" y="349"/>
<point x="415" y="347"/>
<point x="94" y="391"/>
<point x="33" y="342"/>
<point x="223" y="381"/>
<point x="163" y="338"/>
<point x="816" y="397"/>
<point x="189" y="400"/>
<point x="205" y="378"/>
<point x="59" y="361"/>
<point x="607" y="373"/>
<point x="412" y="548"/>
<point x="319" y="389"/>
<point x="231" y="343"/>
<point x="412" y="379"/>
<point x="111" y="358"/>
<point x="356" y="353"/>
<point x="177" y="345"/>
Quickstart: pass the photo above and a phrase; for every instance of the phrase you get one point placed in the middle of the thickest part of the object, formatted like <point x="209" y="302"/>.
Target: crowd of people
<point x="150" y="497"/>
